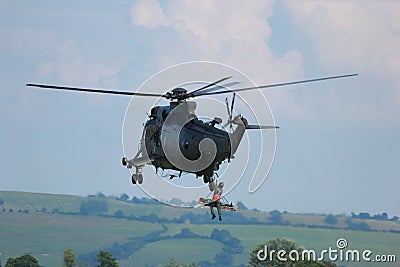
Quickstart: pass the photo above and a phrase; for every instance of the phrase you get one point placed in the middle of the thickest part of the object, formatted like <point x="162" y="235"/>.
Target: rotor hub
<point x="178" y="94"/>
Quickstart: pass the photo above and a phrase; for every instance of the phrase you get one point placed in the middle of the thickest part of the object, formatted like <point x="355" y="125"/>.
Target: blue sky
<point x="337" y="149"/>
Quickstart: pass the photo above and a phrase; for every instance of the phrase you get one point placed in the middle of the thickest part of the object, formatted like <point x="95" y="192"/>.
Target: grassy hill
<point x="44" y="225"/>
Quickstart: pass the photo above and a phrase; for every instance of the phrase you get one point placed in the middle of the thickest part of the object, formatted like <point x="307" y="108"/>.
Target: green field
<point x="186" y="250"/>
<point x="317" y="239"/>
<point x="46" y="235"/>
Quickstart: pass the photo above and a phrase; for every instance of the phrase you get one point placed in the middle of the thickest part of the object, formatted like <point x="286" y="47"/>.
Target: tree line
<point x="232" y="245"/>
<point x="97" y="205"/>
<point x="107" y="259"/>
<point x="103" y="259"/>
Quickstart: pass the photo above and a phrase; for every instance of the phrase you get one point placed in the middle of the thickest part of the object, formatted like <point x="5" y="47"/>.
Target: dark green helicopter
<point x="174" y="138"/>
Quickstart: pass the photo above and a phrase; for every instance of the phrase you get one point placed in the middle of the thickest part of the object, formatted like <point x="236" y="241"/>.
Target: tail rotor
<point x="230" y="111"/>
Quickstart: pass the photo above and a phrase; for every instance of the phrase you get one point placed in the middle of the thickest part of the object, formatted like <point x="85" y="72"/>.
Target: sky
<point x="338" y="147"/>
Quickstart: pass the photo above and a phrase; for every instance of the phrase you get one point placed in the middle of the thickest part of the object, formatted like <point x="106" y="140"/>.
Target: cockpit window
<point x="153" y="112"/>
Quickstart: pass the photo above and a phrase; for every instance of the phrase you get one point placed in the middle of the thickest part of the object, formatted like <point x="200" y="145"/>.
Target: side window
<point x="151" y="132"/>
<point x="164" y="115"/>
<point x="153" y="112"/>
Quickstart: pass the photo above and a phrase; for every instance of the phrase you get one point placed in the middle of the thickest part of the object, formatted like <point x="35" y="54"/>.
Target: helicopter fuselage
<point x="190" y="135"/>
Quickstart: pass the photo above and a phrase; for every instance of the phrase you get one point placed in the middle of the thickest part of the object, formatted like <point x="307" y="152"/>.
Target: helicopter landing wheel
<point x="124" y="161"/>
<point x="134" y="178"/>
<point x="140" y="178"/>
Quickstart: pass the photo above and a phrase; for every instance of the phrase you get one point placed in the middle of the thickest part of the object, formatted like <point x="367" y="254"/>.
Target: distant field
<point x="51" y="234"/>
<point x="67" y="203"/>
<point x="35" y="201"/>
<point x="47" y="235"/>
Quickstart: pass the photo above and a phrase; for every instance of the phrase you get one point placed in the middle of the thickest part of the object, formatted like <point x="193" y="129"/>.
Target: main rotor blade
<point x="190" y="94"/>
<point x="261" y="127"/>
<point x="227" y="106"/>
<point x="218" y="87"/>
<point x="277" y="85"/>
<point x="231" y="112"/>
<point x="233" y="102"/>
<point x="90" y="90"/>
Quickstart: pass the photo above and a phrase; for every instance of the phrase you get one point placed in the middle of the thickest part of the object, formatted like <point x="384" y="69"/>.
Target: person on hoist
<point x="216" y="201"/>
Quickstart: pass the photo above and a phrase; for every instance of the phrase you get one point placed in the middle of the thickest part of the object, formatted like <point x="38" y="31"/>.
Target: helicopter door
<point x="152" y="137"/>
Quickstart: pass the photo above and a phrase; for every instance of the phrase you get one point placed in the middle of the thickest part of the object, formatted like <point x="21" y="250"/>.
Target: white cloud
<point x="218" y="21"/>
<point x="149" y="14"/>
<point x="344" y="36"/>
<point x="230" y="32"/>
<point x="356" y="36"/>
<point x="363" y="35"/>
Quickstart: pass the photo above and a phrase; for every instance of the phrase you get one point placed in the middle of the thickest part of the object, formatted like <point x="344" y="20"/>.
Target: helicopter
<point x="174" y="138"/>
